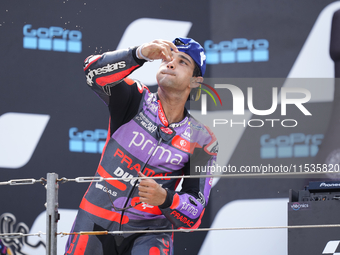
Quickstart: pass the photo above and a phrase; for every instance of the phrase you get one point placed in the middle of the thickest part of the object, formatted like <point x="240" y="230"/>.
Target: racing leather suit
<point x="141" y="139"/>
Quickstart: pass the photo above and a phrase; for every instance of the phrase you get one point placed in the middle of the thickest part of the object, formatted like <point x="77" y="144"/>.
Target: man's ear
<point x="195" y="81"/>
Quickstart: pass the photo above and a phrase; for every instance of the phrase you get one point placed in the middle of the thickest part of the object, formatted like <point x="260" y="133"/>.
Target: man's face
<point x="176" y="74"/>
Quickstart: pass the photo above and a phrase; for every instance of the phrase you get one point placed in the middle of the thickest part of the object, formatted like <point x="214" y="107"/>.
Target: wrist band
<point x="140" y="55"/>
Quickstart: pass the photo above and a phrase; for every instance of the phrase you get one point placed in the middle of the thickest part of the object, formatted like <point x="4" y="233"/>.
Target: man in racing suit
<point x="153" y="135"/>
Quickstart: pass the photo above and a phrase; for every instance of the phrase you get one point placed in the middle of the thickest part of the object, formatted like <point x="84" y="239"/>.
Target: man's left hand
<point x="151" y="192"/>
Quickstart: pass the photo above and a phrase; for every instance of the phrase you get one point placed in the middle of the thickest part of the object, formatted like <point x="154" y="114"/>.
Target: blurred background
<point x="50" y="121"/>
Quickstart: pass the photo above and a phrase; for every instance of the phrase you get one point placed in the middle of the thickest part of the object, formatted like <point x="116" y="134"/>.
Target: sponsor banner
<point x="42" y="79"/>
<point x="87" y="141"/>
<point x="52" y="39"/>
<point x="238" y="50"/>
<point x="289" y="146"/>
<point x="297" y="206"/>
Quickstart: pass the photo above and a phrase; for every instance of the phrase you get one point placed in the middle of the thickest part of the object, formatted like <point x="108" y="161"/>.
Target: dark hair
<point x="193" y="92"/>
<point x="197" y="71"/>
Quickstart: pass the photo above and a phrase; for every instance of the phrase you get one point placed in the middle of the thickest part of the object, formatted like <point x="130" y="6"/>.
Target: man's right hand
<point x="159" y="49"/>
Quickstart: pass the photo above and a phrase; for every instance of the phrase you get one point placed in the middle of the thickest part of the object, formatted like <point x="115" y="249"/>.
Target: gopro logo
<point x="87" y="141"/>
<point x="52" y="39"/>
<point x="287" y="146"/>
<point x="238" y="50"/>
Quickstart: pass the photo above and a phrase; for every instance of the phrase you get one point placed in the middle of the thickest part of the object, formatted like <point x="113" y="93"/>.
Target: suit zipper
<point x="134" y="186"/>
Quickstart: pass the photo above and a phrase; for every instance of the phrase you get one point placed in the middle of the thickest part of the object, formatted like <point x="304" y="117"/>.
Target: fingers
<point x="169" y="46"/>
<point x="147" y="184"/>
<point x="151" y="192"/>
<point x="146" y="192"/>
<point x="143" y="196"/>
<point x="167" y="54"/>
<point x="141" y="174"/>
<point x="159" y="49"/>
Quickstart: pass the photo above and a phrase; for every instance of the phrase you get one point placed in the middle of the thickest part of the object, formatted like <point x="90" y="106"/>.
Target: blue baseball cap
<point x="193" y="49"/>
